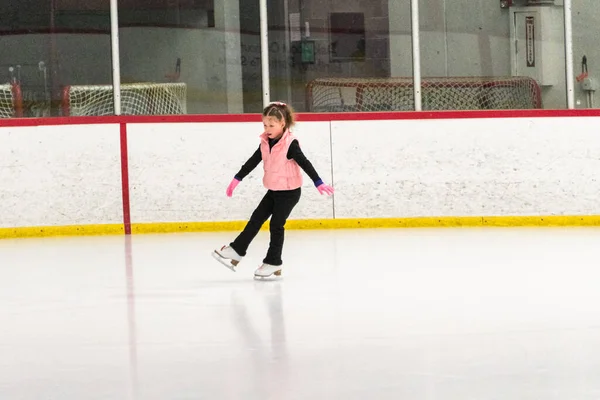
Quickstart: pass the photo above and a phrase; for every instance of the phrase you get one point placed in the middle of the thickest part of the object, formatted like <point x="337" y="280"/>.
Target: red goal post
<point x="439" y="93"/>
<point x="11" y="101"/>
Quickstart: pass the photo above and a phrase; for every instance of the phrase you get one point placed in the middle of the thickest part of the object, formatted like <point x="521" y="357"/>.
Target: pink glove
<point x="324" y="188"/>
<point x="232" y="186"/>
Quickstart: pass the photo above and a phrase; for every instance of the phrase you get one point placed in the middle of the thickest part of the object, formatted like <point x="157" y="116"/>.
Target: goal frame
<point x="16" y="97"/>
<point x="360" y="84"/>
<point x="66" y="105"/>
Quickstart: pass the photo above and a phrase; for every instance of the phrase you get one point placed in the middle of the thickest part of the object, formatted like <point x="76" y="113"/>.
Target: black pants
<point x="278" y="205"/>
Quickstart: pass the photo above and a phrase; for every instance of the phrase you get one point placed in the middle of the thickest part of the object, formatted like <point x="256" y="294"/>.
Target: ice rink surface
<point x="419" y="314"/>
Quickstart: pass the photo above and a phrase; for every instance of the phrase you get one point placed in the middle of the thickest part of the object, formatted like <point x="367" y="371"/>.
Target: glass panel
<point x="201" y="56"/>
<point x="279" y="52"/>
<point x="491" y="55"/>
<point x="586" y="53"/>
<point x="250" y="55"/>
<point x="180" y="57"/>
<point x="48" y="48"/>
<point x="339" y="56"/>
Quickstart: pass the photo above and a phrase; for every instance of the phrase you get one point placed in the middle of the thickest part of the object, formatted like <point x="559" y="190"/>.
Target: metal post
<point x="569" y="54"/>
<point x="264" y="51"/>
<point x="116" y="68"/>
<point x="416" y="52"/>
<point x="288" y="52"/>
<point x="53" y="56"/>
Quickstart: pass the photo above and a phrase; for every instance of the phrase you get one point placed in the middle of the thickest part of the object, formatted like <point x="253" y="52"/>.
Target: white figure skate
<point x="228" y="257"/>
<point x="266" y="270"/>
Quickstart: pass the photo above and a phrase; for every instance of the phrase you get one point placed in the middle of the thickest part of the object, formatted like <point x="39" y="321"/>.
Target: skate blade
<point x="274" y="276"/>
<point x="223" y="261"/>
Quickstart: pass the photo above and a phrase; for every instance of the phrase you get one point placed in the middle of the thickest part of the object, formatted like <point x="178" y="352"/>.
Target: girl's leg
<point x="258" y="218"/>
<point x="284" y="203"/>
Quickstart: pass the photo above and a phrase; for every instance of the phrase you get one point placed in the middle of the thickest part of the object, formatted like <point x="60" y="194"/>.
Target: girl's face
<point x="273" y="127"/>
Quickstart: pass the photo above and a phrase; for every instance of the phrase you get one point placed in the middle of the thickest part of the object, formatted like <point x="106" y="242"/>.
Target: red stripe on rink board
<point x="125" y="180"/>
<point x="314" y="117"/>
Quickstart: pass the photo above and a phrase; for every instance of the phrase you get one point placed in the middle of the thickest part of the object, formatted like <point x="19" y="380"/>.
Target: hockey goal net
<point x="11" y="101"/>
<point x="136" y="99"/>
<point x="446" y="93"/>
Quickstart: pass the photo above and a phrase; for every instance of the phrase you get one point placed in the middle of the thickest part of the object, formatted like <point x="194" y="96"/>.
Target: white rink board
<point x="178" y="172"/>
<point x="467" y="167"/>
<point x="60" y="175"/>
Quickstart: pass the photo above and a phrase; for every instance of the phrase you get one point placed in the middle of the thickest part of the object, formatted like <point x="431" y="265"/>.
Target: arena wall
<point x="119" y="175"/>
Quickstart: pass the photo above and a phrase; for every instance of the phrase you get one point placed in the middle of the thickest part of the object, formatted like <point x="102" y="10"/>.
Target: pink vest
<point x="280" y="173"/>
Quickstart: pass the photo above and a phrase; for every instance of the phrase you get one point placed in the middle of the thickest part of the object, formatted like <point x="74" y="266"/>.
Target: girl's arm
<point x="249" y="166"/>
<point x="296" y="154"/>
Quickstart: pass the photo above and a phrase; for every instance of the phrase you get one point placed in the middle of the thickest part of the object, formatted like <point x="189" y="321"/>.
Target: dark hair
<point x="281" y="112"/>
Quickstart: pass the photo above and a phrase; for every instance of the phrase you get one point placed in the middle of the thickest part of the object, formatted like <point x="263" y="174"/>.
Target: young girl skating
<point x="282" y="159"/>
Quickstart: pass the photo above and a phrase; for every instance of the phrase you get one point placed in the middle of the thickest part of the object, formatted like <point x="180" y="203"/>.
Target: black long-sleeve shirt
<point x="294" y="153"/>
